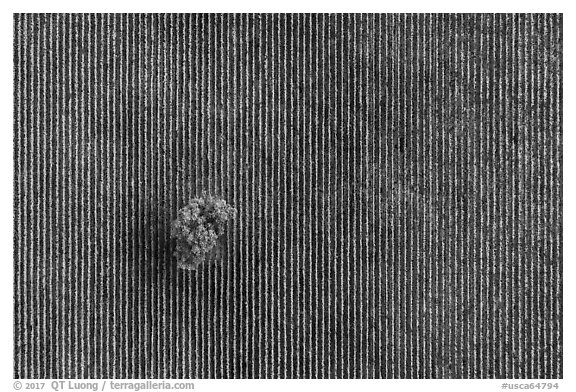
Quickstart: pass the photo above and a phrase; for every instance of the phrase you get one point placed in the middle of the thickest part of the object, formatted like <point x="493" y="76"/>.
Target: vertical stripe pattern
<point x="398" y="181"/>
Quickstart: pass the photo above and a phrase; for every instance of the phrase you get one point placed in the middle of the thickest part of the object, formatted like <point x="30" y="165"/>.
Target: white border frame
<point x="569" y="168"/>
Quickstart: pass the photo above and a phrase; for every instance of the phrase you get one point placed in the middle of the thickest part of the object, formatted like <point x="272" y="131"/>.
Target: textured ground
<point x="398" y="180"/>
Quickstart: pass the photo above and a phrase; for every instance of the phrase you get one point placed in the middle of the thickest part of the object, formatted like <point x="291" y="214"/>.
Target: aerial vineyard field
<point x="397" y="181"/>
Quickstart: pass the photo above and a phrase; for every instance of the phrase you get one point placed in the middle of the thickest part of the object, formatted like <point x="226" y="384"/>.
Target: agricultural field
<point x="397" y="180"/>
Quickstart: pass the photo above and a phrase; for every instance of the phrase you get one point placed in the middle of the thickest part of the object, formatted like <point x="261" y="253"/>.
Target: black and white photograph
<point x="206" y="196"/>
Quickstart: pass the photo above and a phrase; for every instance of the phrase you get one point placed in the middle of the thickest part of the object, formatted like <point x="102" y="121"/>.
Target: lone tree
<point x="197" y="227"/>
